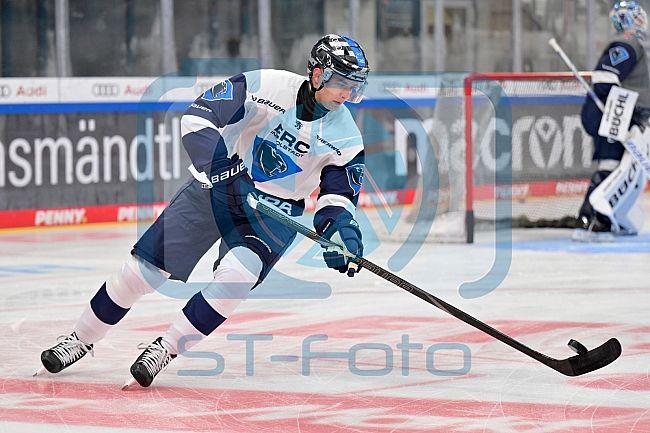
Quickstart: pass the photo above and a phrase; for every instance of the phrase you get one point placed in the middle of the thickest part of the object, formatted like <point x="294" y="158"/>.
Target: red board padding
<point x="141" y="212"/>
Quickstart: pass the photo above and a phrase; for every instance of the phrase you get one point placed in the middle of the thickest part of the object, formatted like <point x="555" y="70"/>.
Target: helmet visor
<point x="334" y="81"/>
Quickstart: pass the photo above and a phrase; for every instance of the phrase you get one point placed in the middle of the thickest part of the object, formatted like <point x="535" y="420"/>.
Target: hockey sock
<point x="182" y="335"/>
<point x="235" y="276"/>
<point x="89" y="328"/>
<point x="116" y="296"/>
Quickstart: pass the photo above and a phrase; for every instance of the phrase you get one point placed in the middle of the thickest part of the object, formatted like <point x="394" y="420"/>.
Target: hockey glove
<point x="230" y="181"/>
<point x="344" y="232"/>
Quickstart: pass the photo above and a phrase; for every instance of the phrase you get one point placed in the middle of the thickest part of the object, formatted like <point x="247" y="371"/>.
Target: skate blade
<point x="582" y="235"/>
<point x="129" y="383"/>
<point x="40" y="371"/>
<point x="626" y="233"/>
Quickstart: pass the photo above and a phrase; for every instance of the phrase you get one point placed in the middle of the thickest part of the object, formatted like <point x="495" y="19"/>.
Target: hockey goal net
<point x="509" y="149"/>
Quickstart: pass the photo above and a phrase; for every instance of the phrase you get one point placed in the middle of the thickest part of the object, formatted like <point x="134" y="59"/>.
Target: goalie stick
<point x="584" y="362"/>
<point x="630" y="146"/>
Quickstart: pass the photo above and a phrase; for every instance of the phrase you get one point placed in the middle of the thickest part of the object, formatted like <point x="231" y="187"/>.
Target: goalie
<point x="621" y="80"/>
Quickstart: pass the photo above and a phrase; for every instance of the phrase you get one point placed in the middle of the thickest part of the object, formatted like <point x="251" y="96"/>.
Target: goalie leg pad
<point x="616" y="196"/>
<point x="638" y="143"/>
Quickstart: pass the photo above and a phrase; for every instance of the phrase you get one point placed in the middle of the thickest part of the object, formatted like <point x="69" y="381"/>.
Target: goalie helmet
<point x="628" y="16"/>
<point x="340" y="55"/>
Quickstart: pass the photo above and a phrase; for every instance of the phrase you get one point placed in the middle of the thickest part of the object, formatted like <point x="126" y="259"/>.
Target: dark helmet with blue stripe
<point x="336" y="54"/>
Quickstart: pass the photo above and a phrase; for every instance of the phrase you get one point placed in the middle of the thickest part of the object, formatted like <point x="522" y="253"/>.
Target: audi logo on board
<point x="105" y="89"/>
<point x="5" y="91"/>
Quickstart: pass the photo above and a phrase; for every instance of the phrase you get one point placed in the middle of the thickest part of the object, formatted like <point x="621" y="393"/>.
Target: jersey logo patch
<point x="269" y="163"/>
<point x="618" y="55"/>
<point x="220" y="91"/>
<point x="355" y="177"/>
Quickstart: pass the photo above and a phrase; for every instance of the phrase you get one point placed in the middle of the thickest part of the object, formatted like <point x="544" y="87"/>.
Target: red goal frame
<point x="468" y="87"/>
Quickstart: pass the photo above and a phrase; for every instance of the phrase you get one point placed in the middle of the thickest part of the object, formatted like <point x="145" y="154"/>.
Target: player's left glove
<point x="346" y="233"/>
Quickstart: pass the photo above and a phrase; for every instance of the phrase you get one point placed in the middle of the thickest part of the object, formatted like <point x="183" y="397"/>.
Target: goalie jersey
<point x="255" y="116"/>
<point x="623" y="63"/>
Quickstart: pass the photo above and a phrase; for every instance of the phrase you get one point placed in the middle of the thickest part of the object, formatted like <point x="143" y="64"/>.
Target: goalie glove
<point x="346" y="233"/>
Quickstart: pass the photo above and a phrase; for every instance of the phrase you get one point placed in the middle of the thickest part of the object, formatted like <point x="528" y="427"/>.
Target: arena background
<point x="91" y="92"/>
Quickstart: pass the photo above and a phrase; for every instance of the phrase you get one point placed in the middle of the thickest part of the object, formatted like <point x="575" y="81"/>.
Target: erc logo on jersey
<point x="269" y="163"/>
<point x="220" y="91"/>
<point x="355" y="177"/>
<point x="618" y="55"/>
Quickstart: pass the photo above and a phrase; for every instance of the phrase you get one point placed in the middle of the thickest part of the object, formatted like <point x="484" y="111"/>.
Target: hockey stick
<point x="631" y="147"/>
<point x="584" y="362"/>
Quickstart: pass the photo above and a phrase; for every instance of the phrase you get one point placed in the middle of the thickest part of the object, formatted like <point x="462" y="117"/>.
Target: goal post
<point x="479" y="150"/>
<point x="563" y="201"/>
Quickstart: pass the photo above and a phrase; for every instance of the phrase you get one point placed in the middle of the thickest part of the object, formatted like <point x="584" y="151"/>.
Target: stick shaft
<point x="558" y="49"/>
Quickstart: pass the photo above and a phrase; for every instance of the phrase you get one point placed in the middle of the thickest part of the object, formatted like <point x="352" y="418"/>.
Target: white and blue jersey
<point x="623" y="63"/>
<point x="253" y="115"/>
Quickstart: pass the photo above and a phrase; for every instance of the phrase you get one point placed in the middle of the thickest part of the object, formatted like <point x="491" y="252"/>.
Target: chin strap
<point x="311" y="84"/>
<point x="312" y="88"/>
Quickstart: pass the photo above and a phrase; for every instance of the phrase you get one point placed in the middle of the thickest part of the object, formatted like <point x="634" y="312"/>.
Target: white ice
<point x="252" y="374"/>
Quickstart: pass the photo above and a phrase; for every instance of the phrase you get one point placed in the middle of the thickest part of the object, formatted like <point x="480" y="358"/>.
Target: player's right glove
<point x="346" y="233"/>
<point x="230" y="185"/>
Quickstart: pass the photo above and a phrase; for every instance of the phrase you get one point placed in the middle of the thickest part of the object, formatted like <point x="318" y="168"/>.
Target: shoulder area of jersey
<point x="340" y="129"/>
<point x="277" y="78"/>
<point x="629" y="40"/>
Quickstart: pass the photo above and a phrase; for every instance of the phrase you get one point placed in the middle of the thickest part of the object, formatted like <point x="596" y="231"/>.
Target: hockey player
<point x="610" y="204"/>
<point x="270" y="133"/>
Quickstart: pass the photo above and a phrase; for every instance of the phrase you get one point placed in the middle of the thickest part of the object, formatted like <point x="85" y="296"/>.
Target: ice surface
<point x="390" y="363"/>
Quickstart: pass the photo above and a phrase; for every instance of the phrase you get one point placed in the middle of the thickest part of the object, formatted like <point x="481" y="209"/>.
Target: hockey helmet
<point x="342" y="56"/>
<point x="628" y="16"/>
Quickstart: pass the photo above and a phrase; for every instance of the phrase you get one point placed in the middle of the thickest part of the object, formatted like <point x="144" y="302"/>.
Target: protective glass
<point x="332" y="80"/>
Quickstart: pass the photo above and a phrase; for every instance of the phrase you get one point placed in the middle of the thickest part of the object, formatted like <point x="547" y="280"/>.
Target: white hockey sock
<point x="236" y="274"/>
<point x="89" y="328"/>
<point x="136" y="278"/>
<point x="181" y="335"/>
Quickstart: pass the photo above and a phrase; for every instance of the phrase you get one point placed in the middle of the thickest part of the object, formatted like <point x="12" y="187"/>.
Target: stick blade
<point x="594" y="359"/>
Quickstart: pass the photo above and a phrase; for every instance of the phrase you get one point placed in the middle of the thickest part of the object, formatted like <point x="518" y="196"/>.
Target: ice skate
<point x="592" y="230"/>
<point x="152" y="361"/>
<point x="64" y="354"/>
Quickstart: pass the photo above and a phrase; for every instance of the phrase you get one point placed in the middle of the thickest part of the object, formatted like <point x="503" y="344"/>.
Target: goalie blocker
<point x="617" y="114"/>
